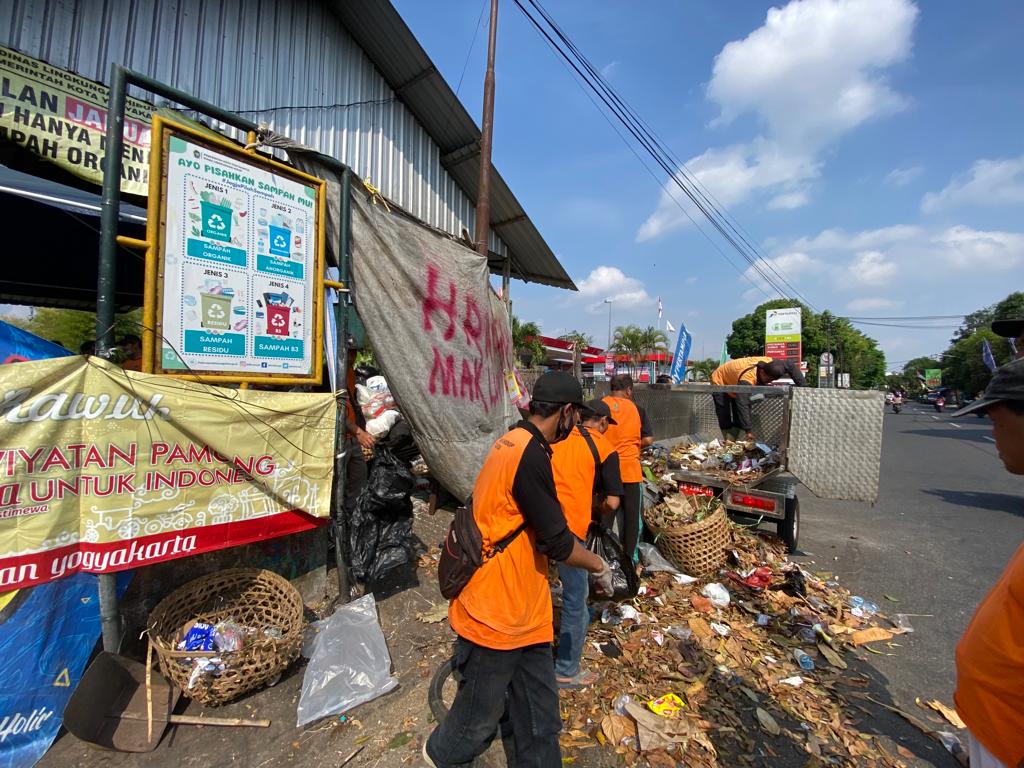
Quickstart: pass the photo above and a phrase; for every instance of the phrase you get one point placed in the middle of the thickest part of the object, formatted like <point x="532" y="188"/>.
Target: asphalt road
<point x="947" y="521"/>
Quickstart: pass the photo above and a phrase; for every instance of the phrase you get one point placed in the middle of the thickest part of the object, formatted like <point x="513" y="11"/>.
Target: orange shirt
<point x="739" y="371"/>
<point x="507" y="603"/>
<point x="990" y="668"/>
<point x="624" y="436"/>
<point x="575" y="470"/>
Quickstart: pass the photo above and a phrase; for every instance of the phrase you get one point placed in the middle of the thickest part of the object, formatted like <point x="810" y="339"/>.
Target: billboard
<point x="105" y="470"/>
<point x="933" y="377"/>
<point x="782" y="334"/>
<point x="61" y="117"/>
<point x="240" y="261"/>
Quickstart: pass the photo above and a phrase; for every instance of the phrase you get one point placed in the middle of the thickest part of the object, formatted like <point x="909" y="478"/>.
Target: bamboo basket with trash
<point x="691" y="532"/>
<point x="227" y="633"/>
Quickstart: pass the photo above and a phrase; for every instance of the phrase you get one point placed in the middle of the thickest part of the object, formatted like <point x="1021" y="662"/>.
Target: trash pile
<point x="741" y="462"/>
<point x="704" y="673"/>
<point x="226" y="636"/>
<point x="680" y="509"/>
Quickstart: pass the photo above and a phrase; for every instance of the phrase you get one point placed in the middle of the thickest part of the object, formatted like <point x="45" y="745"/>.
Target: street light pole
<point x="609" y="303"/>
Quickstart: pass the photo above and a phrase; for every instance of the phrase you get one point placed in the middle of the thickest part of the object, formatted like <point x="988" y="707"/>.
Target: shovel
<point x="110" y="707"/>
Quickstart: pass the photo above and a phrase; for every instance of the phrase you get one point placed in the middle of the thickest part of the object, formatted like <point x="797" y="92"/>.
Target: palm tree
<point x="578" y="337"/>
<point x="702" y="369"/>
<point x="628" y="340"/>
<point x="526" y="343"/>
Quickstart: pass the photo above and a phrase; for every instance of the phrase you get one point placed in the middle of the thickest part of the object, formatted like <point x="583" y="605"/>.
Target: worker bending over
<point x="732" y="409"/>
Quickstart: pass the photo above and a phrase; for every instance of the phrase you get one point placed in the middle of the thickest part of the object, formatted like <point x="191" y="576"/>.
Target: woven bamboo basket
<point x="697" y="549"/>
<point x="252" y="598"/>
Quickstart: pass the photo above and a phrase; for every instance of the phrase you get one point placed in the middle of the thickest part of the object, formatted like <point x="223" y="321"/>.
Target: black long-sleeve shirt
<point x="534" y="491"/>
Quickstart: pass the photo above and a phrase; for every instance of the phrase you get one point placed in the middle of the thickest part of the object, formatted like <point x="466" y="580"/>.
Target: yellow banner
<point x="103" y="469"/>
<point x="62" y="117"/>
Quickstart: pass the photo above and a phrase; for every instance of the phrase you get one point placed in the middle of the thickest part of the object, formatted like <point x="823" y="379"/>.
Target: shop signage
<point x="62" y="117"/>
<point x="240" y="252"/>
<point x="782" y="334"/>
<point x="933" y="377"/>
<point x="103" y="470"/>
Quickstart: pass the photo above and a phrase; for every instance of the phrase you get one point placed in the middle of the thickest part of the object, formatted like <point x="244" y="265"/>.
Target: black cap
<point x="600" y="408"/>
<point x="1007" y="384"/>
<point x="557" y="387"/>
<point x="1009" y="329"/>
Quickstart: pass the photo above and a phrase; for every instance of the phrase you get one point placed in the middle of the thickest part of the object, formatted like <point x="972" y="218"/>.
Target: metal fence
<point x="675" y="411"/>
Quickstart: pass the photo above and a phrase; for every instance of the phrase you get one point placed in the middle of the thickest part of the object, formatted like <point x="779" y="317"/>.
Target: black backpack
<point x="462" y="553"/>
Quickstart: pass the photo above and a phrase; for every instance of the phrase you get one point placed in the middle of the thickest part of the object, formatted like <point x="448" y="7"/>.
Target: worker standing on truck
<point x="503" y="615"/>
<point x="733" y="410"/>
<point x="630" y="432"/>
<point x="586" y="469"/>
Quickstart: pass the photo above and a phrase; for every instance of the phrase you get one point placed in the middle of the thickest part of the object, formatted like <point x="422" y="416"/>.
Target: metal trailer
<point x="829" y="440"/>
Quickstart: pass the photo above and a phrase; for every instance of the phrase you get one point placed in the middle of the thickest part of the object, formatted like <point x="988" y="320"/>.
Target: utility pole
<point x="483" y="199"/>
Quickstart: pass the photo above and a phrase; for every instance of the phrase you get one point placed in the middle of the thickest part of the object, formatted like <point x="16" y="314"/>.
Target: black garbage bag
<point x="380" y="532"/>
<point x="604" y="543"/>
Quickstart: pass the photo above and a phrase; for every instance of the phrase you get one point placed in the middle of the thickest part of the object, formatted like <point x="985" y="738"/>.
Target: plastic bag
<point x="380" y="531"/>
<point x="653" y="560"/>
<point x="349" y="665"/>
<point x="603" y="543"/>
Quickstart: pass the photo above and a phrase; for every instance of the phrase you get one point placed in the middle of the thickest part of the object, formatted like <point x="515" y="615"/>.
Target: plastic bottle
<point x="763" y="620"/>
<point x="619" y="705"/>
<point x="806" y="662"/>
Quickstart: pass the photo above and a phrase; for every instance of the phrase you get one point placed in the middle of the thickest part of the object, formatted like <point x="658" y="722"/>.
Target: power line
<point x="676" y="171"/>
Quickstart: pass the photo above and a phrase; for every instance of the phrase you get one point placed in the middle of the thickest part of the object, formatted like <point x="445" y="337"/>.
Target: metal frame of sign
<point x="153" y="302"/>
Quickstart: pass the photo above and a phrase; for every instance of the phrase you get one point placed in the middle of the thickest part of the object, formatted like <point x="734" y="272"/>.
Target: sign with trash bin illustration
<point x="239" y="271"/>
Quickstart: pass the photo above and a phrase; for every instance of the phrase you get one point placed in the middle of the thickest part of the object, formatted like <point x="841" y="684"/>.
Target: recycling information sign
<point x="240" y="262"/>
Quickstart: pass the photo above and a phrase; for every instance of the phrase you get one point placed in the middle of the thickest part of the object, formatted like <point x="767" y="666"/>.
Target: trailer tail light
<point x="758" y="503"/>
<point x="693" y="489"/>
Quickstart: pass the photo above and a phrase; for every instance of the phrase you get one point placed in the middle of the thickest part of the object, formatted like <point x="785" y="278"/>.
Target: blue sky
<point x="872" y="149"/>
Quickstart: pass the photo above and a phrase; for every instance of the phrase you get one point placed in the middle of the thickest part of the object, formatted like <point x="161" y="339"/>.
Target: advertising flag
<point x="669" y="327"/>
<point x="987" y="357"/>
<point x="660" y="308"/>
<point x="683" y="342"/>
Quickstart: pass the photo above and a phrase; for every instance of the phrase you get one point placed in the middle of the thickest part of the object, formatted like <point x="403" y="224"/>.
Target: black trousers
<point x="733" y="412"/>
<point x="628" y="516"/>
<point x="515" y="689"/>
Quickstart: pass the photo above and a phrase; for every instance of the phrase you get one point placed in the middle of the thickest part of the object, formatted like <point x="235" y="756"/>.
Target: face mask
<point x="566" y="421"/>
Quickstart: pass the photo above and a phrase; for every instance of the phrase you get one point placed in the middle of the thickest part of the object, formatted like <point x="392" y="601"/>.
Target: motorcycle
<point x="940" y="404"/>
<point x="897" y="404"/>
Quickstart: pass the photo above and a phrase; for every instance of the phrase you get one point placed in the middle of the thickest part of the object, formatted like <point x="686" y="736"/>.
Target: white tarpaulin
<point x="440" y="335"/>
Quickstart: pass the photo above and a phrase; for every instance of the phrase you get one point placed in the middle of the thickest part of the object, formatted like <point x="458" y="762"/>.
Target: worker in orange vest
<point x="732" y="409"/>
<point x="589" y="485"/>
<point x="629" y="434"/>
<point x="503" y="615"/>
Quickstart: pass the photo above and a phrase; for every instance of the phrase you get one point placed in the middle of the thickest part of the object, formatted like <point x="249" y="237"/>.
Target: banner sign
<point x="62" y="117"/>
<point x="241" y="249"/>
<point x="932" y="377"/>
<point x="441" y="336"/>
<point x="782" y="334"/>
<point x="17" y="345"/>
<point x="679" y="359"/>
<point x="103" y="470"/>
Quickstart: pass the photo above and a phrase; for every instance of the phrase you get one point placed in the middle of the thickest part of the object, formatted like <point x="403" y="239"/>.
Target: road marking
<point x="957" y="426"/>
<point x="935" y="417"/>
<point x="991" y="439"/>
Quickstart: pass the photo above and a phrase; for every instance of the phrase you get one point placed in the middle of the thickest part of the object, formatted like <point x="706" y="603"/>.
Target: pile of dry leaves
<point x="688" y="678"/>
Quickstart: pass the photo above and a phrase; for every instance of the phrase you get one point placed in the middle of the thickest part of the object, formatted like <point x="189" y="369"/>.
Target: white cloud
<point x="871" y="268"/>
<point x="988" y="182"/>
<point x="966" y="248"/>
<point x="812" y="72"/>
<point x="611" y="283"/>
<point x="791" y="264"/>
<point x="900" y="177"/>
<point x="868" y="239"/>
<point x="691" y="280"/>
<point x="872" y="304"/>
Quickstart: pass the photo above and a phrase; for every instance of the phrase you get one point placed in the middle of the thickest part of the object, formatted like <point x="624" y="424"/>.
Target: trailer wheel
<point x="789" y="529"/>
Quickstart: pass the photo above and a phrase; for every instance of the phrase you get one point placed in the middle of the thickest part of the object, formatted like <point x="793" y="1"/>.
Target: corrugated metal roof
<point x="381" y="32"/>
<point x="348" y="79"/>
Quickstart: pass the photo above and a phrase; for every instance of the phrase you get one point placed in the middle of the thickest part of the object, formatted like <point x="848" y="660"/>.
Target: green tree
<point x="578" y="337"/>
<point x="1009" y="308"/>
<point x="962" y="366"/>
<point x="702" y="369"/>
<point x="71" y="327"/>
<point x="526" y="342"/>
<point x="854" y="352"/>
<point x="653" y="341"/>
<point x="629" y="340"/>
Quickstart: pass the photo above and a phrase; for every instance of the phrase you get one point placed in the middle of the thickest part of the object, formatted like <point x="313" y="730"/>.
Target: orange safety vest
<point x="574" y="469"/>
<point x="507" y="603"/>
<point x="739" y="371"/>
<point x="624" y="436"/>
<point x="990" y="667"/>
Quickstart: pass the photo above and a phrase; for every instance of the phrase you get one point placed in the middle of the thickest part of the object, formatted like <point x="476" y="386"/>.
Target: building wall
<point x="288" y="63"/>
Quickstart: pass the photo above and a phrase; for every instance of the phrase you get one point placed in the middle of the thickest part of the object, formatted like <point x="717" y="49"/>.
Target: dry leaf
<point x="832" y="656"/>
<point x="768" y="722"/>
<point x="436" y="614"/>
<point x="617" y="727"/>
<point x="871" y="635"/>
<point x="946" y="712"/>
<point x="700" y="628"/>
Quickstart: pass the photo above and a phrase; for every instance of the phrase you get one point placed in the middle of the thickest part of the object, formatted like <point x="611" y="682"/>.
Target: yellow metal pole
<point x="149" y="340"/>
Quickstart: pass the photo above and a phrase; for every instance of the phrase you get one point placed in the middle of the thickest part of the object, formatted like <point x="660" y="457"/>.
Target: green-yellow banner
<point x="62" y="117"/>
<point x="103" y="469"/>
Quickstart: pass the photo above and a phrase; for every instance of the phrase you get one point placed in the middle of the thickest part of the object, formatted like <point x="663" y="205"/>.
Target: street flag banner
<point x="669" y="327"/>
<point x="987" y="357"/>
<point x="725" y="354"/>
<point x="660" y="309"/>
<point x="103" y="470"/>
<point x="683" y="342"/>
